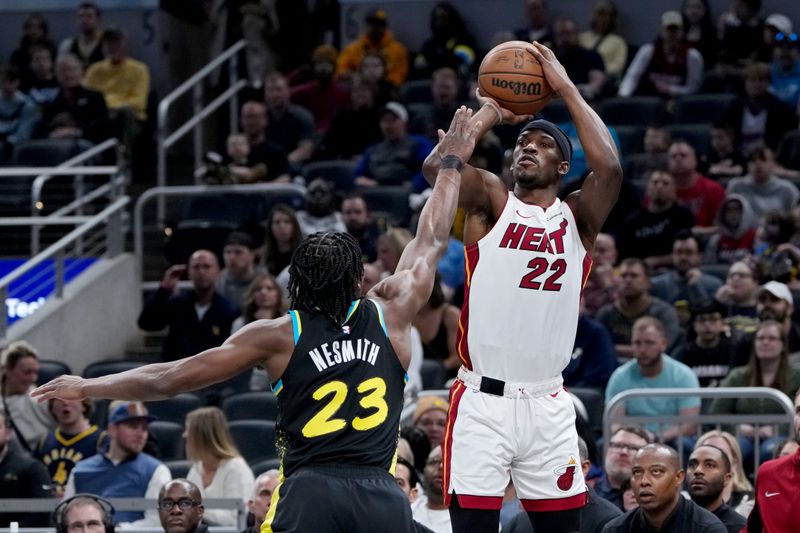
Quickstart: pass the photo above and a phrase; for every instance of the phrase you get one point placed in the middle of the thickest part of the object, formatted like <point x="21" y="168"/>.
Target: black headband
<point x="555" y="132"/>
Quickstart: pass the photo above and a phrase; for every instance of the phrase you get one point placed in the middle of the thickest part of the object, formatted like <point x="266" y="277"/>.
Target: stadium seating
<point x="593" y="401"/>
<point x="251" y="405"/>
<point x="630" y="139"/>
<point x="389" y="205"/>
<point x="259" y="467"/>
<point x="179" y="468"/>
<point x="49" y="369"/>
<point x="174" y="409"/>
<point x="169" y="436"/>
<point x="698" y="135"/>
<point x="339" y="173"/>
<point x="432" y="374"/>
<point x="556" y="111"/>
<point x="416" y="91"/>
<point x="255" y="439"/>
<point x="634" y="111"/>
<point x="104" y="368"/>
<point x="702" y="108"/>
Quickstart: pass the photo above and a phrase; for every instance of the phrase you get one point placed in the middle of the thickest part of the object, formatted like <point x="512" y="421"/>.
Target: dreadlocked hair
<point x="324" y="274"/>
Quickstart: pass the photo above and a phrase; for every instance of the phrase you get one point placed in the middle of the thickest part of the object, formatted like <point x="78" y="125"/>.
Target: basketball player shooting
<point x="337" y="363"/>
<point x="526" y="261"/>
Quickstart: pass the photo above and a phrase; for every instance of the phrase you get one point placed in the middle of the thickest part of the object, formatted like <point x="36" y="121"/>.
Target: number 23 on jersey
<point x="371" y="393"/>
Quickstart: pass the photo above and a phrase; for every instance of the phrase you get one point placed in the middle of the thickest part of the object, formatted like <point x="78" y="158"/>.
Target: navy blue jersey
<point x="341" y="395"/>
<point x="61" y="452"/>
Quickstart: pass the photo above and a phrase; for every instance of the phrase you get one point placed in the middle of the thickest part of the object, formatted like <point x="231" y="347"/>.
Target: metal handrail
<point x="56" y="171"/>
<point x="609" y="418"/>
<point x="39" y="182"/>
<point x="194" y="190"/>
<point x="113" y="235"/>
<point x="200" y="112"/>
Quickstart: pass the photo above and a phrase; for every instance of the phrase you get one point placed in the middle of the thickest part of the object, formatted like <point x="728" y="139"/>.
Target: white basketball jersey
<point x="522" y="294"/>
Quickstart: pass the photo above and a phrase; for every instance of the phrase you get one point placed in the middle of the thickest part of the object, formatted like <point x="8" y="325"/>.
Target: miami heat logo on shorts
<point x="566" y="474"/>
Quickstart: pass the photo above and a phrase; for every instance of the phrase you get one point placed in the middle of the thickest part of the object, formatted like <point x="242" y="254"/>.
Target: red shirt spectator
<point x="324" y="96"/>
<point x="701" y="195"/>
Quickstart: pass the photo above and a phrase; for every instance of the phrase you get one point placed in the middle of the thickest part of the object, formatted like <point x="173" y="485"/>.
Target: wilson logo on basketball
<point x="566" y="474"/>
<point x="533" y="88"/>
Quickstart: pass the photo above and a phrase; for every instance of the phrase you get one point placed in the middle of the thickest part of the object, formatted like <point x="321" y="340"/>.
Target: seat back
<point x="174" y="409"/>
<point x="259" y="467"/>
<point x="389" y="205"/>
<point x="251" y="406"/>
<point x="593" y="401"/>
<point x="432" y="374"/>
<point x="339" y="173"/>
<point x="169" y="437"/>
<point x="702" y="108"/>
<point x="633" y="111"/>
<point x="104" y="368"/>
<point x="698" y="135"/>
<point x="255" y="439"/>
<point x="417" y="91"/>
<point x="49" y="369"/>
<point x="630" y="139"/>
<point x="179" y="468"/>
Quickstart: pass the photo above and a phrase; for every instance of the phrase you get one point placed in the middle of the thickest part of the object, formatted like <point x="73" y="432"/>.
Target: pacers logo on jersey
<point x="566" y="474"/>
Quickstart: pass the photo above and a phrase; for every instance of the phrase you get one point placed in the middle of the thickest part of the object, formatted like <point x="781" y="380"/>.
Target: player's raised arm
<point x="474" y="190"/>
<point x="601" y="187"/>
<point x="410" y="287"/>
<point x="243" y="350"/>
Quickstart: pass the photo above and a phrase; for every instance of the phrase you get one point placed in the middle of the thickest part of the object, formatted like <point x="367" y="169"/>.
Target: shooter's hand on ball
<point x="554" y="71"/>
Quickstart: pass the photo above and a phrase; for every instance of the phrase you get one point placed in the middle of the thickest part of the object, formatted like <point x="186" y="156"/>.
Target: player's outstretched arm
<point x="410" y="287"/>
<point x="245" y="349"/>
<point x="601" y="188"/>
<point x="474" y="189"/>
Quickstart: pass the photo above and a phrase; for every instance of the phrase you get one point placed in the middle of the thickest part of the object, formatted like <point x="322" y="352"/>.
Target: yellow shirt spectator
<point x="124" y="84"/>
<point x="376" y="38"/>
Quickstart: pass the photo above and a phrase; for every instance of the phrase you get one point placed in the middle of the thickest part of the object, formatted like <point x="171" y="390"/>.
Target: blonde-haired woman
<point x="739" y="493"/>
<point x="28" y="419"/>
<point x="219" y="469"/>
<point x="390" y="246"/>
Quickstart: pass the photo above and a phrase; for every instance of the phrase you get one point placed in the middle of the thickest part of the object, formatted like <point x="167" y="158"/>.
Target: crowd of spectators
<point x="694" y="277"/>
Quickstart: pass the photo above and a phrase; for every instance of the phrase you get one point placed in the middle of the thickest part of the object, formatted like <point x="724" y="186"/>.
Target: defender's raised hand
<point x="461" y="137"/>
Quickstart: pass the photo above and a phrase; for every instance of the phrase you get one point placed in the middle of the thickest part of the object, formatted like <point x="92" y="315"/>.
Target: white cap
<point x="782" y="23"/>
<point x="778" y="290"/>
<point x="396" y="109"/>
<point x="671" y="18"/>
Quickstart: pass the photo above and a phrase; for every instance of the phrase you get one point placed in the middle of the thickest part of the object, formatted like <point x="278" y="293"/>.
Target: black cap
<point x="563" y="142"/>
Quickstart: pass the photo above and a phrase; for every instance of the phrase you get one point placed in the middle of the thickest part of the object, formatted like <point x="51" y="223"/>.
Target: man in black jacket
<point x="707" y="474"/>
<point x="198" y="319"/>
<point x="20" y="477"/>
<point x="656" y="482"/>
<point x="180" y="507"/>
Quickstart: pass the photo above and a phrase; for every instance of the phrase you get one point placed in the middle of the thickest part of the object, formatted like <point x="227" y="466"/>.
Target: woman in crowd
<point x="390" y="247"/>
<point x="768" y="367"/>
<point x="262" y="300"/>
<point x="601" y="38"/>
<point x="283" y="236"/>
<point x="699" y="29"/>
<point x="34" y="33"/>
<point x="373" y="69"/>
<point x="218" y="469"/>
<point x="437" y="323"/>
<point x="29" y="420"/>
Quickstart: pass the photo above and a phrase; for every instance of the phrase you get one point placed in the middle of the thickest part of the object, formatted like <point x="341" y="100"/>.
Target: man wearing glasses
<point x="622" y="446"/>
<point x="180" y="507"/>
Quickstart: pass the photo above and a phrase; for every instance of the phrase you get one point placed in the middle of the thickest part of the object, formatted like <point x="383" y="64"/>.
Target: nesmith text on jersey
<point x="337" y="352"/>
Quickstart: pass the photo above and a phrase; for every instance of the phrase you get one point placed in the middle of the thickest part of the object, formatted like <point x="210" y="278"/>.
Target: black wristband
<point x="452" y="161"/>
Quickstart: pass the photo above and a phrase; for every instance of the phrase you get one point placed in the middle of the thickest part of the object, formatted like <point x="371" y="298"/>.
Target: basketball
<point x="513" y="77"/>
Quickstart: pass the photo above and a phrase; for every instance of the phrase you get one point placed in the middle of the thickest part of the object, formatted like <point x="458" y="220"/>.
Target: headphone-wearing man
<point x="84" y="513"/>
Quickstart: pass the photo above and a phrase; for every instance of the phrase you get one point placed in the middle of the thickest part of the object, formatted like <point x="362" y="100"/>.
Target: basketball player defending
<point x="341" y="363"/>
<point x="526" y="261"/>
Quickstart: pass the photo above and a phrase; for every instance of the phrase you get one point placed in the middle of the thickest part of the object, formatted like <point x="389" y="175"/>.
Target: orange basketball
<point x="514" y="78"/>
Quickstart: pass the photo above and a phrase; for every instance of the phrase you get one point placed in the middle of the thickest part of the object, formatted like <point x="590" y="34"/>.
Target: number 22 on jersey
<point x="372" y="392"/>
